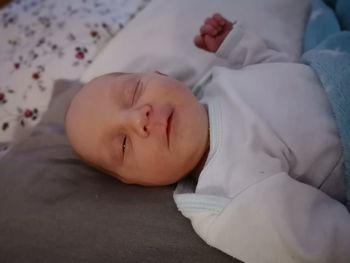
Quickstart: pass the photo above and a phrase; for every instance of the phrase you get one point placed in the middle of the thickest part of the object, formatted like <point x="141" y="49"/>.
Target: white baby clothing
<point x="272" y="186"/>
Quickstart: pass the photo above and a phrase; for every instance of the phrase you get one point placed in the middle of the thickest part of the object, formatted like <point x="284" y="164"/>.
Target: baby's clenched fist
<point x="213" y="32"/>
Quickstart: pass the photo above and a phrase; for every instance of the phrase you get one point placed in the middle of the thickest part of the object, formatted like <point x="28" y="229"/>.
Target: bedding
<point x="43" y="40"/>
<point x="54" y="208"/>
<point x="164" y="34"/>
<point x="292" y="226"/>
<point x="327" y="51"/>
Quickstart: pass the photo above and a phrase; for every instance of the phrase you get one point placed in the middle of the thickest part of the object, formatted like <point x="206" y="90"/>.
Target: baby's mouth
<point x="168" y="127"/>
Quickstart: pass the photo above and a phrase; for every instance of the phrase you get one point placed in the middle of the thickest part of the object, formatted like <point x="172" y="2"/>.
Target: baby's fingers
<point x="211" y="21"/>
<point x="210" y="43"/>
<point x="220" y="19"/>
<point x="208" y="29"/>
<point x="199" y="42"/>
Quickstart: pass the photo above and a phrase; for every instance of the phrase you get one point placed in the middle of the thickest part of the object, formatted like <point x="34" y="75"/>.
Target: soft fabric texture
<point x="341" y="8"/>
<point x="44" y="40"/>
<point x="161" y="36"/>
<point x="273" y="182"/>
<point x="54" y="208"/>
<point x="329" y="56"/>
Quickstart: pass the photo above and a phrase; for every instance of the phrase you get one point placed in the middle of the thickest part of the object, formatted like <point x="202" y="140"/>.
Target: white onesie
<point x="272" y="186"/>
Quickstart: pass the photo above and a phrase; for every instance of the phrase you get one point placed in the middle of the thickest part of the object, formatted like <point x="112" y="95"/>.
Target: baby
<point x="144" y="129"/>
<point x="259" y="137"/>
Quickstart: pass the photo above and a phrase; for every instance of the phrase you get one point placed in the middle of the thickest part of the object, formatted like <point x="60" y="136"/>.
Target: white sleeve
<point x="241" y="48"/>
<point x="283" y="220"/>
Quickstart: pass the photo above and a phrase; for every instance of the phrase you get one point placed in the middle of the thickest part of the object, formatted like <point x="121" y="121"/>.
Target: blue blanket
<point x="327" y="51"/>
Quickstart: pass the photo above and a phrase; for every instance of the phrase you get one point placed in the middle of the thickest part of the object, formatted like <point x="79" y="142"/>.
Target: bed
<point x="54" y="208"/>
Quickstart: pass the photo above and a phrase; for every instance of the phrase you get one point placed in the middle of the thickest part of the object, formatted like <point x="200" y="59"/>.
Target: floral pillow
<point x="44" y="40"/>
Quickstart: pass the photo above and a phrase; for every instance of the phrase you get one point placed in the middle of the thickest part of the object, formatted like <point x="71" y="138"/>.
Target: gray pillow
<point x="54" y="208"/>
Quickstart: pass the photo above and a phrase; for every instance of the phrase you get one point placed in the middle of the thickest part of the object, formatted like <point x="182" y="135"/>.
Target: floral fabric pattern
<point x="45" y="40"/>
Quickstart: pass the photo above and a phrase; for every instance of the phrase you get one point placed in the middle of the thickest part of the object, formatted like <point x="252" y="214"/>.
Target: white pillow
<point x="161" y="36"/>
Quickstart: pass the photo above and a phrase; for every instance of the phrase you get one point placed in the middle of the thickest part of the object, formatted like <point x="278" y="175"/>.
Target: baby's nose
<point x="140" y="120"/>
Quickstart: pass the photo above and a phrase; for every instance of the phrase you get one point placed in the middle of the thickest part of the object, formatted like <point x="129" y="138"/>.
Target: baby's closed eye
<point x="136" y="92"/>
<point x="123" y="144"/>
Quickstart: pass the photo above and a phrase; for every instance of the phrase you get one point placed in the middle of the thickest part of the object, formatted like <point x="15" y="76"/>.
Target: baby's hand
<point x="213" y="32"/>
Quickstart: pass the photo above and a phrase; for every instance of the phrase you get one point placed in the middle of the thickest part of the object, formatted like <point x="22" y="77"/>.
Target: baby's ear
<point x="160" y="73"/>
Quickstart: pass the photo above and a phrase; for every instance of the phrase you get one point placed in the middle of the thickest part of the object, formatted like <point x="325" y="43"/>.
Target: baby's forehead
<point x="111" y="76"/>
<point x="106" y="78"/>
<point x="90" y="111"/>
<point x="97" y="86"/>
<point x="86" y="115"/>
<point x="110" y="80"/>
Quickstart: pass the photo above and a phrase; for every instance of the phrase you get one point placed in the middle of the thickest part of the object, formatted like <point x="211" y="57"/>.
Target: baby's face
<point x="144" y="129"/>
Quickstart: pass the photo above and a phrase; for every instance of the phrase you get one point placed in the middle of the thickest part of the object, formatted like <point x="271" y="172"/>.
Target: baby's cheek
<point x="146" y="156"/>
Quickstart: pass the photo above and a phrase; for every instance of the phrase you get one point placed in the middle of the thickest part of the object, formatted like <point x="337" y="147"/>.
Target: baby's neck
<point x="199" y="167"/>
